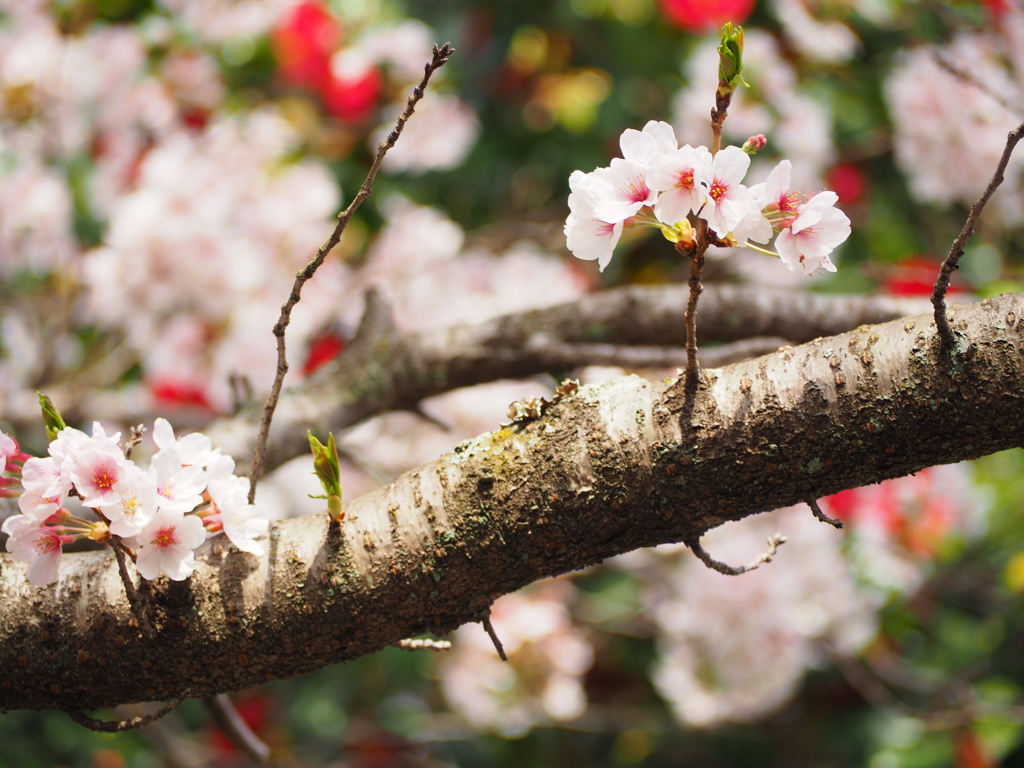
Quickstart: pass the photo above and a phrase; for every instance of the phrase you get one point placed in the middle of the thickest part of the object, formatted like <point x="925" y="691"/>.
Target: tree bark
<point x="617" y="466"/>
<point x="385" y="369"/>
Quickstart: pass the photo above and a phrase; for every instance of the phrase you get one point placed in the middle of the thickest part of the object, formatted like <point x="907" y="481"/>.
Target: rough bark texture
<point x="384" y="369"/>
<point x="621" y="465"/>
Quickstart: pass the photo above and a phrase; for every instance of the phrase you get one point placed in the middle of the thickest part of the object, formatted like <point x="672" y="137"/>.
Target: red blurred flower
<point x="352" y="100"/>
<point x="847" y="181"/>
<point x="997" y="9"/>
<point x="178" y="393"/>
<point x="322" y="350"/>
<point x="701" y="15"/>
<point x="915" y="277"/>
<point x="303" y="43"/>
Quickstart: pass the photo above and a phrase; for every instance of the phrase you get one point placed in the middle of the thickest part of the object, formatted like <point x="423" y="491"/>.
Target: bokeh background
<point x="167" y="165"/>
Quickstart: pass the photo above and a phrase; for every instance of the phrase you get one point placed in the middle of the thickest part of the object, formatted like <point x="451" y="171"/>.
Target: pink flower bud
<point x="754" y="143"/>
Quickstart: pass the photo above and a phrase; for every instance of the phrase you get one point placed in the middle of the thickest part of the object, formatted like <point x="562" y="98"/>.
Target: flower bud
<point x="754" y="144"/>
<point x="51" y="417"/>
<point x="730" y="59"/>
<point x="328" y="472"/>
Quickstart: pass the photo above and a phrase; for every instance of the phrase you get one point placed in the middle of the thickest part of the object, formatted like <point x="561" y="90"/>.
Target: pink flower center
<point x="637" y="194"/>
<point x="718" y="190"/>
<point x="103" y="477"/>
<point x="685" y="179"/>
<point x="47" y="543"/>
<point x="166" y="537"/>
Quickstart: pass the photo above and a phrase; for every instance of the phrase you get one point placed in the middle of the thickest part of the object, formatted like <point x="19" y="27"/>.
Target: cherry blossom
<point x="38" y="507"/>
<point x="641" y="148"/>
<point x="242" y="522"/>
<point x="194" y="449"/>
<point x="11" y="454"/>
<point x="728" y="201"/>
<point x="135" y="502"/>
<point x="588" y="236"/>
<point x="683" y="177"/>
<point x="166" y="545"/>
<point x="814" y="234"/>
<point x="178" y="487"/>
<point x="30" y="541"/>
<point x="95" y="473"/>
<point x="620" y="191"/>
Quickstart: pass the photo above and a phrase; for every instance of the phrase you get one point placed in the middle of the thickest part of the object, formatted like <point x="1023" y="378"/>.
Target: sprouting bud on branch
<point x="730" y="59"/>
<point x="328" y="472"/>
<point x="51" y="417"/>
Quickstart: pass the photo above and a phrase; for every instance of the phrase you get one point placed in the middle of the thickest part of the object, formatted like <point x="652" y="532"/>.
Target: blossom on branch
<point x="166" y="545"/>
<point x="658" y="184"/>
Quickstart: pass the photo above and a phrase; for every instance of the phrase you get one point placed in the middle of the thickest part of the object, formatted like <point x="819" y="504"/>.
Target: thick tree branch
<point x="384" y="369"/>
<point x="607" y="470"/>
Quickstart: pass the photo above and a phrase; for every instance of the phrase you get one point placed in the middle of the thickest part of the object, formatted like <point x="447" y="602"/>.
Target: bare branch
<point x="774" y="542"/>
<point x="440" y="59"/>
<point x="226" y="716"/>
<point x="486" y="621"/>
<point x="116" y="726"/>
<point x="813" y="504"/>
<point x="951" y="262"/>
<point x="957" y="71"/>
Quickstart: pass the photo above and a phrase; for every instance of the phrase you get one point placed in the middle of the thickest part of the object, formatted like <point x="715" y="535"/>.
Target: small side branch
<point x="774" y="542"/>
<point x="696" y="289"/>
<point x="226" y="716"/>
<point x="951" y="263"/>
<point x="439" y="59"/>
<point x="959" y="72"/>
<point x="486" y="621"/>
<point x="813" y="504"/>
<point x="116" y="726"/>
<point x="424" y="644"/>
<point x="138" y="609"/>
<point x="135" y="435"/>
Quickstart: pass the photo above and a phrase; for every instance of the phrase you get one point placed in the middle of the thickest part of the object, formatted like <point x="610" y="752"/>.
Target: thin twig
<point x="951" y="263"/>
<point x="138" y="609"/>
<point x="486" y="621"/>
<point x="774" y="542"/>
<point x="135" y="435"/>
<point x="439" y="59"/>
<point x="116" y="726"/>
<point x="813" y="504"/>
<point x="723" y="97"/>
<point x="226" y="716"/>
<point x="424" y="644"/>
<point x="957" y="71"/>
<point x="696" y="289"/>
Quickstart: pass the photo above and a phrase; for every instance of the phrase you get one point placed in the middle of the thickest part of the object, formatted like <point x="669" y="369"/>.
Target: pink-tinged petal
<point x="587" y="236"/>
<point x="822" y="229"/>
<point x="591" y="239"/>
<point x="776" y="186"/>
<point x="620" y="191"/>
<point x="34" y="543"/>
<point x="730" y="165"/>
<point x="641" y="147"/>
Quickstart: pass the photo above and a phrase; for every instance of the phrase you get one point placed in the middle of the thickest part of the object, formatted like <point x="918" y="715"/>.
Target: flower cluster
<point x="165" y="513"/>
<point x="548" y="654"/>
<point x="660" y="184"/>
